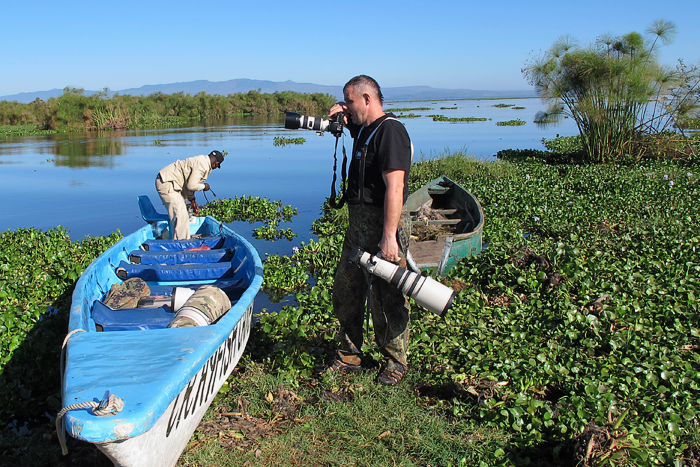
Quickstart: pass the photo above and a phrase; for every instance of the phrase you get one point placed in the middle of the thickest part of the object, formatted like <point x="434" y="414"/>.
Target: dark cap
<point x="218" y="156"/>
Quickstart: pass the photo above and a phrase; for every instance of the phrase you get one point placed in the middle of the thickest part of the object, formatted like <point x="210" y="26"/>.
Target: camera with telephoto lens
<point x="426" y="291"/>
<point x="334" y="125"/>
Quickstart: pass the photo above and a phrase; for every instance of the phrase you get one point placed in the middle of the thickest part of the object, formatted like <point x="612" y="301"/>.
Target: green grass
<point x="346" y="420"/>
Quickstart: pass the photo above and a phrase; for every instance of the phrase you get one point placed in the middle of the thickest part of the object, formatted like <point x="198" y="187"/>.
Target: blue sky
<point x="445" y="44"/>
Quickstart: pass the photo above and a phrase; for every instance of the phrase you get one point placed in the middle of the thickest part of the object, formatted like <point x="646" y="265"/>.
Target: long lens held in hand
<point x="426" y="291"/>
<point x="295" y="121"/>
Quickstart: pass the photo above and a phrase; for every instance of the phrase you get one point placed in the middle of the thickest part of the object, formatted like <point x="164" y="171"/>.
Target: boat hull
<point x="165" y="441"/>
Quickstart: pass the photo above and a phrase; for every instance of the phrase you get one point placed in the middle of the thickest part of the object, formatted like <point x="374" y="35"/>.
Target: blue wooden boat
<point x="134" y="387"/>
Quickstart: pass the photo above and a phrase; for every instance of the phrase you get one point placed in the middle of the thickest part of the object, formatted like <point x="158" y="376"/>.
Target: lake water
<point x="88" y="182"/>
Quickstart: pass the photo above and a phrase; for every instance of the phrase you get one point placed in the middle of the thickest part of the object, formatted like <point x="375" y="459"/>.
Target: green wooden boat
<point x="447" y="225"/>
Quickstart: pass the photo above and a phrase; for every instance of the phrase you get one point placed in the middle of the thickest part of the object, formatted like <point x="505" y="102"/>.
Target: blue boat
<point x="131" y="384"/>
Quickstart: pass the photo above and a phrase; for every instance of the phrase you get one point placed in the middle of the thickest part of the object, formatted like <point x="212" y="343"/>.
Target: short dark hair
<point x="364" y="83"/>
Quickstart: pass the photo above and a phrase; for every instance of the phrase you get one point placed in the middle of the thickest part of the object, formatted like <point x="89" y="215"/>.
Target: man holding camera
<point x="178" y="182"/>
<point x="377" y="189"/>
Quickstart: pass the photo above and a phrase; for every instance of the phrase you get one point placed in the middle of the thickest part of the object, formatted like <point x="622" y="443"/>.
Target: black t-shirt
<point x="389" y="149"/>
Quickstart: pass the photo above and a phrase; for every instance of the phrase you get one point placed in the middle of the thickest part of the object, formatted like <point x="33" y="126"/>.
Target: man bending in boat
<point x="377" y="189"/>
<point x="178" y="182"/>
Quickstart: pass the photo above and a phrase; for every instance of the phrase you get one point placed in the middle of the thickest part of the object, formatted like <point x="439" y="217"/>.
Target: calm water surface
<point x="88" y="182"/>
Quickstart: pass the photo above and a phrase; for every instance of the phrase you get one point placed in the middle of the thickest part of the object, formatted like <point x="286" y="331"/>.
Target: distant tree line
<point x="74" y="110"/>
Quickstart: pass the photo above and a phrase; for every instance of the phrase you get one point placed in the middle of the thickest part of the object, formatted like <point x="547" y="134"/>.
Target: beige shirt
<point x="187" y="175"/>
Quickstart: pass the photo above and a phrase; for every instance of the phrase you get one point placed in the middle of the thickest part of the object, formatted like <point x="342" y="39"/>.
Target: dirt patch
<point x="456" y="284"/>
<point x="691" y="457"/>
<point x="475" y="389"/>
<point x="242" y="431"/>
<point x="526" y="257"/>
<point x="597" y="443"/>
<point x="238" y="429"/>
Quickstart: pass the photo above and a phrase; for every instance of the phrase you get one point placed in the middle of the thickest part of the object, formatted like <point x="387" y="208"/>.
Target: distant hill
<point x="234" y="86"/>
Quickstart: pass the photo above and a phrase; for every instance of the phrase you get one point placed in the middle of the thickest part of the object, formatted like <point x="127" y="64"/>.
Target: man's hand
<point x="339" y="107"/>
<point x="390" y="249"/>
<point x="195" y="206"/>
<point x="206" y="187"/>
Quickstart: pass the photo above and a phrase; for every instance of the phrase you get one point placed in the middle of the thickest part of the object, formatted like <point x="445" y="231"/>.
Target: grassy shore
<point x="574" y="339"/>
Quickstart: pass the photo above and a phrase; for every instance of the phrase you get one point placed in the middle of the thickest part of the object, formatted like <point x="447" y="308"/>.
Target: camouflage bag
<point x="204" y="307"/>
<point x="127" y="294"/>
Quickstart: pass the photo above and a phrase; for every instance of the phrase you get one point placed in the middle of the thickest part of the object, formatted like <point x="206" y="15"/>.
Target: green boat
<point x="447" y="225"/>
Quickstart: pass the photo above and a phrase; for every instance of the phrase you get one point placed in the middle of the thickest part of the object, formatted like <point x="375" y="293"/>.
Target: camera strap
<point x="331" y="201"/>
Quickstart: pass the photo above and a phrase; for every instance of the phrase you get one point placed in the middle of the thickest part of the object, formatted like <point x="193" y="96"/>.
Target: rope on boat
<point x="112" y="405"/>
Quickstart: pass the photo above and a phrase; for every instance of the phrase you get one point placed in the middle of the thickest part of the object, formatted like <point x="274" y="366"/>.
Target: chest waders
<point x="361" y="155"/>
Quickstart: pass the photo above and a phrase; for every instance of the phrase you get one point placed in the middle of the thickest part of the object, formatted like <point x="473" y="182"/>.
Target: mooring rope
<point x="113" y="404"/>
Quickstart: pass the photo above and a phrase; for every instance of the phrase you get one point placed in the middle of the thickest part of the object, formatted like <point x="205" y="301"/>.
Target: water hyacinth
<point x="665" y="177"/>
<point x="536" y="219"/>
<point x="670" y="183"/>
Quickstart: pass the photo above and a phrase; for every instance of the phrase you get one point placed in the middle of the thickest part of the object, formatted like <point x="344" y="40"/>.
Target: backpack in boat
<point x="127" y="294"/>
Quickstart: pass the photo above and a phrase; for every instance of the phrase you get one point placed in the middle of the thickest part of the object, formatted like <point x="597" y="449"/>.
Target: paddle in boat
<point x="156" y="327"/>
<point x="447" y="225"/>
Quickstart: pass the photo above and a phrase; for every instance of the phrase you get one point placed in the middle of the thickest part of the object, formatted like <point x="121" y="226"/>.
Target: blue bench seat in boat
<point x="180" y="257"/>
<point x="213" y="242"/>
<point x="175" y="272"/>
<point x="146" y="318"/>
<point x="131" y="319"/>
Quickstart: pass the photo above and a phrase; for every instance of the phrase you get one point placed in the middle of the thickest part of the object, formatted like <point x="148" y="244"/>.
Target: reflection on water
<point x="77" y="153"/>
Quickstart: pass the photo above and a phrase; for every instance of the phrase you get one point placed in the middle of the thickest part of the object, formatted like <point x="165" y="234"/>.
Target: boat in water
<point x="447" y="224"/>
<point x="139" y="376"/>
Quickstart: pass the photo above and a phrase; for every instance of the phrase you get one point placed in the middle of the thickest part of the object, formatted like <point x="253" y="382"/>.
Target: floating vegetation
<point x="442" y="118"/>
<point x="23" y="130"/>
<point x="253" y="209"/>
<point x="502" y="105"/>
<point x="519" y="108"/>
<point x="408" y="116"/>
<point x="407" y="109"/>
<point x="516" y="122"/>
<point x="157" y="142"/>
<point x="449" y="108"/>
<point x="282" y="141"/>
